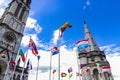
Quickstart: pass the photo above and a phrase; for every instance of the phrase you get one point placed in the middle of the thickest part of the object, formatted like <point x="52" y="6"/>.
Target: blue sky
<point x="46" y="16"/>
<point x="102" y="17"/>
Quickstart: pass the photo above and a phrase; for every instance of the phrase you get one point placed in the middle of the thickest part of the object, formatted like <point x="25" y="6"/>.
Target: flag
<point x="82" y="65"/>
<point x="63" y="74"/>
<point x="78" y="74"/>
<point x="63" y="27"/>
<point x="70" y="76"/>
<point x="12" y="64"/>
<point x="22" y="55"/>
<point x="55" y="50"/>
<point x="33" y="47"/>
<point x="70" y="70"/>
<point x="88" y="69"/>
<point x="54" y="71"/>
<point x="38" y="57"/>
<point x="30" y="66"/>
<point x="106" y="68"/>
<point x="82" y="44"/>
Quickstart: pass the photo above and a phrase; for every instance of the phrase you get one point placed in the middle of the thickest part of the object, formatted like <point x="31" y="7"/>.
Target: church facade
<point x="12" y="24"/>
<point x="93" y="62"/>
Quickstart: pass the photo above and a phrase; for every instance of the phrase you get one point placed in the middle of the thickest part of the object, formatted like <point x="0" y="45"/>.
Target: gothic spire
<point x="91" y="42"/>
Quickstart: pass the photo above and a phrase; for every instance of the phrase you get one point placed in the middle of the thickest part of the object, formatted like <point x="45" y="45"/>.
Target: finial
<point x="84" y="22"/>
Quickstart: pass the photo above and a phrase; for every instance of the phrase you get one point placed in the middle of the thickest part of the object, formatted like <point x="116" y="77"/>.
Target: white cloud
<point x="33" y="24"/>
<point x="55" y="37"/>
<point x="88" y="3"/>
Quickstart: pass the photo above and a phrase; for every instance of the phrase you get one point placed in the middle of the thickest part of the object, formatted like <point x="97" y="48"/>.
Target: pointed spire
<point x="92" y="44"/>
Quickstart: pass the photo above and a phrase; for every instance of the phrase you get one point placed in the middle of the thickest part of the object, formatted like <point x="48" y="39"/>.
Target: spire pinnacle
<point x="91" y="42"/>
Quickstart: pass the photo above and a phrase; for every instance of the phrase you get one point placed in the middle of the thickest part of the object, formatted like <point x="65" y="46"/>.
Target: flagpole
<point x="69" y="76"/>
<point x="37" y="70"/>
<point x="78" y="64"/>
<point x="50" y="66"/>
<point x="59" y="57"/>
<point x="76" y="77"/>
<point x="53" y="76"/>
<point x="8" y="61"/>
<point x="15" y="67"/>
<point x="24" y="64"/>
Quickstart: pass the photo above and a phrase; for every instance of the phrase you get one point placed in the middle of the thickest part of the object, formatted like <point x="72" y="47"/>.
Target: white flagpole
<point x="24" y="64"/>
<point x="37" y="70"/>
<point x="59" y="56"/>
<point x="50" y="66"/>
<point x="15" y="67"/>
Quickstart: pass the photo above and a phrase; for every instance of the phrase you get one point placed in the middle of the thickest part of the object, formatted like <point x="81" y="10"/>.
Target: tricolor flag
<point x="63" y="27"/>
<point x="106" y="68"/>
<point x="70" y="70"/>
<point x="55" y="50"/>
<point x="54" y="71"/>
<point x="33" y="47"/>
<point x="63" y="74"/>
<point x="22" y="55"/>
<point x="82" y="44"/>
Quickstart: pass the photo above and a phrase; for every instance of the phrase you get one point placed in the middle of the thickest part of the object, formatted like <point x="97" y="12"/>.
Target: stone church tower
<point x="93" y="61"/>
<point x="12" y="24"/>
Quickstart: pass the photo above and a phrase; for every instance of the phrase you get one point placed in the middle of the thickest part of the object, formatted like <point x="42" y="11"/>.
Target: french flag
<point x="82" y="44"/>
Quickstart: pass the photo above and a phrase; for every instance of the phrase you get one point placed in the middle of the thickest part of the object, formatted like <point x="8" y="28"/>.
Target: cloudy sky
<point x="46" y="16"/>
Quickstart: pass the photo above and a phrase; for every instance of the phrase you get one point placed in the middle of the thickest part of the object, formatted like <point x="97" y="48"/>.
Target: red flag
<point x="12" y="63"/>
<point x="54" y="71"/>
<point x="33" y="47"/>
<point x="88" y="69"/>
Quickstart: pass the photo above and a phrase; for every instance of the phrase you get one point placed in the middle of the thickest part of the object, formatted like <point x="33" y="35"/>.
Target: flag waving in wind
<point x="82" y="44"/>
<point x="33" y="47"/>
<point x="22" y="55"/>
<point x="63" y="27"/>
<point x="55" y="50"/>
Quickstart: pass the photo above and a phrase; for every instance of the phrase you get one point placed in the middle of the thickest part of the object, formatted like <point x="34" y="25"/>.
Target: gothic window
<point x="96" y="74"/>
<point x="22" y="13"/>
<point x="18" y="9"/>
<point x="107" y="76"/>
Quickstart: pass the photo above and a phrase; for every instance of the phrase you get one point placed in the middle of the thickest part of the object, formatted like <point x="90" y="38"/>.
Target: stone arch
<point x="96" y="74"/>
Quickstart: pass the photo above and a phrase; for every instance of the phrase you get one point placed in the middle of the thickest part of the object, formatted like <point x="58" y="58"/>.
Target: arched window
<point x="107" y="76"/>
<point x="96" y="74"/>
<point x="17" y="9"/>
<point x="22" y="13"/>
